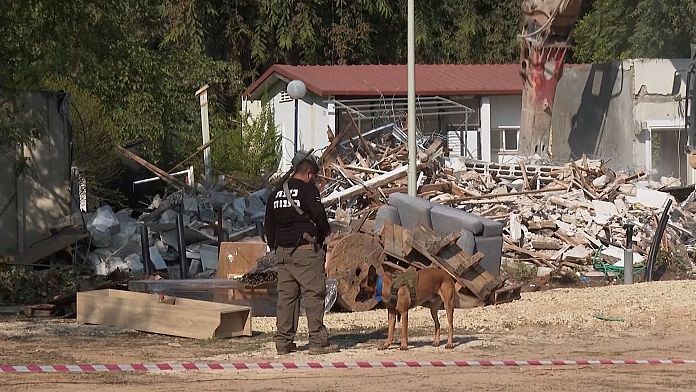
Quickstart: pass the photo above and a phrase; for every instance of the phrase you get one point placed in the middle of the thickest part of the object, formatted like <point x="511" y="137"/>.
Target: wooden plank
<point x="164" y="315"/>
<point x="432" y="149"/>
<point x="163" y="175"/>
<point x="461" y="261"/>
<point x="476" y="279"/>
<point x="396" y="240"/>
<point x="442" y="187"/>
<point x="237" y="258"/>
<point x="464" y="299"/>
<point x="481" y="280"/>
<point x="437" y="246"/>
<point x="515" y="194"/>
<point x="524" y="175"/>
<point x="393" y="266"/>
<point x="466" y="266"/>
<point x="506" y="294"/>
<point x="193" y="154"/>
<point x="373" y="183"/>
<point x="561" y="234"/>
<point x="542" y="258"/>
<point x="545" y="224"/>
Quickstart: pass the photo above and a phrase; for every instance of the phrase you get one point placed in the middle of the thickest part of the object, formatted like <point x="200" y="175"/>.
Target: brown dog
<point x="433" y="288"/>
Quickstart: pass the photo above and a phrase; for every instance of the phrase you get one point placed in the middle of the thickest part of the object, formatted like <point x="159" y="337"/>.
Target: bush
<point x="252" y="151"/>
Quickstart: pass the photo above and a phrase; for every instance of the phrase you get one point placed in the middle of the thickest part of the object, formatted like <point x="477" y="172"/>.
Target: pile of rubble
<point x="116" y="237"/>
<point x="556" y="217"/>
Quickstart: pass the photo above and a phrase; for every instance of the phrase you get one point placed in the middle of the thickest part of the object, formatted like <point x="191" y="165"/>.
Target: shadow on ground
<point x="417" y="339"/>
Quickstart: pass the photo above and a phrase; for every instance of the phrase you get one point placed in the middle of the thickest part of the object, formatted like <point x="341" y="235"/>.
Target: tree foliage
<point x="134" y="65"/>
<point x="620" y="29"/>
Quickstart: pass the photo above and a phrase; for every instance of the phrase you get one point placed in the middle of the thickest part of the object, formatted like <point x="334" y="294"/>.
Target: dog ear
<point x="372" y="275"/>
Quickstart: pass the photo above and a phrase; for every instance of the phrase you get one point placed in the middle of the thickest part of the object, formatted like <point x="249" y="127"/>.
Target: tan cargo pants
<point x="301" y="274"/>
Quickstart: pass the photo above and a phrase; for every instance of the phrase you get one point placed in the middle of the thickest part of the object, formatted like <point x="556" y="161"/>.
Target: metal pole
<point x="145" y="246"/>
<point x="628" y="254"/>
<point x="220" y="230"/>
<point x="412" y="153"/>
<point x="182" y="245"/>
<point x="296" y="148"/>
<point x="657" y="239"/>
<point x="202" y="95"/>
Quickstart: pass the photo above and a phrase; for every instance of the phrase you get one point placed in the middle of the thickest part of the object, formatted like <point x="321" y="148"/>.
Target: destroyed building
<point x="629" y="113"/>
<point x="474" y="108"/>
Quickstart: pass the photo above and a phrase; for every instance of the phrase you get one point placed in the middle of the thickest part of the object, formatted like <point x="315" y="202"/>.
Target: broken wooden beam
<point x="164" y="315"/>
<point x="513" y="194"/>
<point x="506" y="294"/>
<point x="373" y="183"/>
<point x="163" y="175"/>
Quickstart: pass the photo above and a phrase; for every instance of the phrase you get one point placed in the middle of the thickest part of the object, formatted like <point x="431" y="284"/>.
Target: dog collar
<point x="379" y="288"/>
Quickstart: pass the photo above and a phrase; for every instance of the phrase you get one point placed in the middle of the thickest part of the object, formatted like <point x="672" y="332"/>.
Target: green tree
<point x="620" y="29"/>
<point x="19" y="128"/>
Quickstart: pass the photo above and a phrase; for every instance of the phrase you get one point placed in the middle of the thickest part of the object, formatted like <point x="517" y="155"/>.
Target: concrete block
<point x="135" y="263"/>
<point x="649" y="198"/>
<point x="604" y="211"/>
<point x="209" y="257"/>
<point x="157" y="259"/>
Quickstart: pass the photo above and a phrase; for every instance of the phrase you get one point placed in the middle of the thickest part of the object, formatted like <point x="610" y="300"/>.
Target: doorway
<point x="667" y="153"/>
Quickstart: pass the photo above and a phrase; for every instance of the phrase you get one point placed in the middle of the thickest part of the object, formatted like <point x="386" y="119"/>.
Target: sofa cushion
<point x="491" y="247"/>
<point x="413" y="211"/>
<point x="447" y="220"/>
<point x="467" y="243"/>
<point x="491" y="228"/>
<point x="386" y="213"/>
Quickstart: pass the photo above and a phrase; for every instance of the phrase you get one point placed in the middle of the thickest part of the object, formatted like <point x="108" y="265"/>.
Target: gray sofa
<point x="480" y="235"/>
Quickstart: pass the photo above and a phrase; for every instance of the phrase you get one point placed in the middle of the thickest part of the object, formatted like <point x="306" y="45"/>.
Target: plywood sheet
<point x="237" y="258"/>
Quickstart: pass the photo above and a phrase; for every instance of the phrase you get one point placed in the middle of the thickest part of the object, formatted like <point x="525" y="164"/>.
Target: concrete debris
<point x="563" y="215"/>
<point x="554" y="216"/>
<point x="116" y="236"/>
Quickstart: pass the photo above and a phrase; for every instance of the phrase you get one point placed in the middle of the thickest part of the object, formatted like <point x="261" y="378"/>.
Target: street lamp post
<point x="411" y="121"/>
<point x="296" y="90"/>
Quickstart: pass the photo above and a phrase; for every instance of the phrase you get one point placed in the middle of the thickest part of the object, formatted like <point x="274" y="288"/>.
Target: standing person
<point x="296" y="227"/>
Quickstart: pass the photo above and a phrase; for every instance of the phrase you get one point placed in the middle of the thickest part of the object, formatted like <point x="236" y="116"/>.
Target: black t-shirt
<point x="285" y="226"/>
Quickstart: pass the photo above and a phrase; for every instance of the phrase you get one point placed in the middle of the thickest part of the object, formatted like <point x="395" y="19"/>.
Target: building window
<point x="505" y="139"/>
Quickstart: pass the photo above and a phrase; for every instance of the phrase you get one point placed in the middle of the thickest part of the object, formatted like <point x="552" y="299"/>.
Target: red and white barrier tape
<point x="205" y="366"/>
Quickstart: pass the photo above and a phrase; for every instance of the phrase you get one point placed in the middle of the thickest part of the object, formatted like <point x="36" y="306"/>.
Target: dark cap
<point x="302" y="156"/>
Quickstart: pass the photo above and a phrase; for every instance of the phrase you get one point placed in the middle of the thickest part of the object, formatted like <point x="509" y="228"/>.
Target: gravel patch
<point x="638" y="305"/>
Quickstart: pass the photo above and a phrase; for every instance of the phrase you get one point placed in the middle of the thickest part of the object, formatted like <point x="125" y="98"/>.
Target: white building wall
<point x="659" y="90"/>
<point x="505" y="115"/>
<point x="314" y="117"/>
<point x="485" y="131"/>
<point x="653" y="85"/>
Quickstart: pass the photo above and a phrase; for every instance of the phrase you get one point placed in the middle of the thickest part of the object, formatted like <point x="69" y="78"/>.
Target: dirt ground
<point x="653" y="320"/>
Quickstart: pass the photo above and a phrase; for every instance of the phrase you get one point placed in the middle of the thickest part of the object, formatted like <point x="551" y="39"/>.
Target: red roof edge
<point x="282" y="70"/>
<point x="287" y="71"/>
